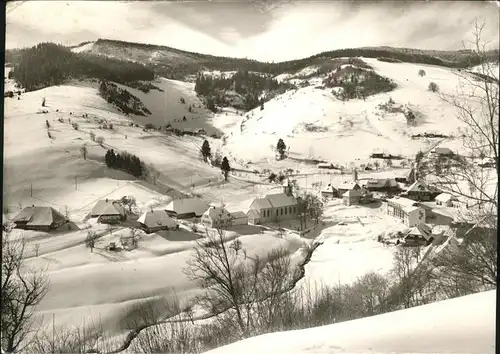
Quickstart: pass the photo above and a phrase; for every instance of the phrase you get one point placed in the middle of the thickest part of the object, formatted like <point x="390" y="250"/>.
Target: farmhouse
<point x="274" y="207"/>
<point x="108" y="211"/>
<point x="407" y="210"/>
<point x="217" y="217"/>
<point x="348" y="185"/>
<point x="39" y="219"/>
<point x="446" y="199"/>
<point x="186" y="208"/>
<point x="239" y="218"/>
<point x="329" y="192"/>
<point x="420" y="191"/>
<point x="156" y="220"/>
<point x="382" y="184"/>
<point x="440" y="151"/>
<point x="419" y="235"/>
<point x="351" y="197"/>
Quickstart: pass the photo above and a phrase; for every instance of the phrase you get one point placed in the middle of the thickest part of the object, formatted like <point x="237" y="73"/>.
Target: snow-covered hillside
<point x="314" y="123"/>
<point x="461" y="325"/>
<point x="83" y="48"/>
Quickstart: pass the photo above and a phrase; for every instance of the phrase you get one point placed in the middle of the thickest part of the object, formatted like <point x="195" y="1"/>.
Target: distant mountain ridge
<point x="177" y="64"/>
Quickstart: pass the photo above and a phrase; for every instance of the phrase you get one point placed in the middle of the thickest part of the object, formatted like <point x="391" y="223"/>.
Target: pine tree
<point x="281" y="147"/>
<point x="225" y="167"/>
<point x="205" y="150"/>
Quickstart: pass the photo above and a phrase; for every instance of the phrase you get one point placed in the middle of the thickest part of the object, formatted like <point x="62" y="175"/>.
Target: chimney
<point x="106" y="200"/>
<point x="355" y="175"/>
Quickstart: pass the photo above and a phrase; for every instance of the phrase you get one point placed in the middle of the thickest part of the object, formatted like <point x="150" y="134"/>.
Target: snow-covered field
<point x="461" y="325"/>
<point x="104" y="286"/>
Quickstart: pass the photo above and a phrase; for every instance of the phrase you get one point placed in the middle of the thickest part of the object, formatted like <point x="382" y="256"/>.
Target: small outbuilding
<point x="239" y="218"/>
<point x="446" y="199"/>
<point x="351" y="197"/>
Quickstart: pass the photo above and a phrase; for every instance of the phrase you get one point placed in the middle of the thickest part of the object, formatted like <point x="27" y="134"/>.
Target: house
<point x="39" y="218"/>
<point x="156" y="220"/>
<point x="274" y="207"/>
<point x="186" y="208"/>
<point x="446" y="199"/>
<point x="351" y="197"/>
<point x="239" y="218"/>
<point x="440" y="151"/>
<point x="108" y="211"/>
<point x="325" y="165"/>
<point x="329" y="192"/>
<point x="419" y="235"/>
<point x="407" y="210"/>
<point x="420" y="191"/>
<point x="217" y="217"/>
<point x="382" y="184"/>
<point x="348" y="185"/>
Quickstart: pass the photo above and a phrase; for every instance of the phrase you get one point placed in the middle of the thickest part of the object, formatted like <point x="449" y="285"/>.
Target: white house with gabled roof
<point x="406" y="210"/>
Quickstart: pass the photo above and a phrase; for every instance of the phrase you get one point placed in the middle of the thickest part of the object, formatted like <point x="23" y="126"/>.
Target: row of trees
<point x="48" y="64"/>
<point x="125" y="162"/>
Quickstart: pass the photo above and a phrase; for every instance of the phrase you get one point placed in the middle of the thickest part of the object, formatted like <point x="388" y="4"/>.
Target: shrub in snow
<point x="433" y="87"/>
<point x="92" y="136"/>
<point x="421" y="72"/>
<point x="99" y="140"/>
<point x="75" y="126"/>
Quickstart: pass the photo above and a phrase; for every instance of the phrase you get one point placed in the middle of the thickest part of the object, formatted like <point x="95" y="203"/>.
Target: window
<point x="281" y="211"/>
<point x="286" y="210"/>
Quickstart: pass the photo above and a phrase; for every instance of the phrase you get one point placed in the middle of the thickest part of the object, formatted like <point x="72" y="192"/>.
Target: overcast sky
<point x="262" y="29"/>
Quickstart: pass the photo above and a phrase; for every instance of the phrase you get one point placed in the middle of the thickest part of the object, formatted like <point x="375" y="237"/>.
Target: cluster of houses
<point x="416" y="205"/>
<point x="269" y="208"/>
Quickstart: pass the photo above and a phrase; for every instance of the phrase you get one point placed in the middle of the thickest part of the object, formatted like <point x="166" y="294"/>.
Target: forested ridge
<point x="48" y="64"/>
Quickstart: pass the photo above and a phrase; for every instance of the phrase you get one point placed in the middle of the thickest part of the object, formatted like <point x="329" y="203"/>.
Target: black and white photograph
<point x="250" y="176"/>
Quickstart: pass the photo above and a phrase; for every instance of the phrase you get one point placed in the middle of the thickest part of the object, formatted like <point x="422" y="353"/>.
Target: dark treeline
<point x="122" y="99"/>
<point x="48" y="64"/>
<point x="125" y="162"/>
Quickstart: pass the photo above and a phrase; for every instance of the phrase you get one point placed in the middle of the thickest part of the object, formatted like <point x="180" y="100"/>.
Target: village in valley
<point x="159" y="200"/>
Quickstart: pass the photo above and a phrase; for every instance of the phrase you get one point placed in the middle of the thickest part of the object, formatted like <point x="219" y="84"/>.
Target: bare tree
<point x="90" y="240"/>
<point x="477" y="105"/>
<point x="236" y="286"/>
<point x="129" y="201"/>
<point x="472" y="265"/>
<point x="22" y="290"/>
<point x="84" y="151"/>
<point x="99" y="140"/>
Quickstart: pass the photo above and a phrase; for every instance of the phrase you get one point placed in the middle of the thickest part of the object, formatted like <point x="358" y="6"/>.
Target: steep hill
<point x="317" y="122"/>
